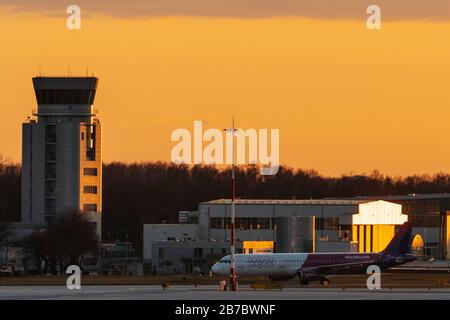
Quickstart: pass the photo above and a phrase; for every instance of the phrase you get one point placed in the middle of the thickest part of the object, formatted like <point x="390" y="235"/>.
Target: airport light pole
<point x="233" y="216"/>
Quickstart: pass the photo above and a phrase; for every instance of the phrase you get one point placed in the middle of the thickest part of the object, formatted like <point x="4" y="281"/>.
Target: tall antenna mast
<point x="233" y="217"/>
<point x="233" y="221"/>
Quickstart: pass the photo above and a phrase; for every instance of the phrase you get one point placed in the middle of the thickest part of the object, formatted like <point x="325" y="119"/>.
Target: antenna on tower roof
<point x="68" y="70"/>
<point x="40" y="72"/>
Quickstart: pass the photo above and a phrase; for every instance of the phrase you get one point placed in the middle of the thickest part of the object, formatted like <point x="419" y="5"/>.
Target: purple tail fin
<point x="400" y="243"/>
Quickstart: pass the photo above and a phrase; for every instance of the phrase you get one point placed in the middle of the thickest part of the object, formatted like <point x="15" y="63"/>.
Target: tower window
<point x="50" y="133"/>
<point x="90" y="207"/>
<point x="90" y="171"/>
<point x="90" y="189"/>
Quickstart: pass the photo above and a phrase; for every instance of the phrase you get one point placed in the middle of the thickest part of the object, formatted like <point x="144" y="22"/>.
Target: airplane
<point x="316" y="266"/>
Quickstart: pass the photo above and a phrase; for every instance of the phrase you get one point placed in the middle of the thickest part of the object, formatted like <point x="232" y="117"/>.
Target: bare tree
<point x="5" y="238"/>
<point x="38" y="244"/>
<point x="67" y="240"/>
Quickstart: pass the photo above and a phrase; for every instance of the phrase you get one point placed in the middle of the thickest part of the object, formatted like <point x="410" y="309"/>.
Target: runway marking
<point x="208" y="293"/>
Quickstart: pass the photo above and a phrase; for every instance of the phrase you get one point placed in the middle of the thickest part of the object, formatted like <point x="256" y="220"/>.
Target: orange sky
<point x="345" y="99"/>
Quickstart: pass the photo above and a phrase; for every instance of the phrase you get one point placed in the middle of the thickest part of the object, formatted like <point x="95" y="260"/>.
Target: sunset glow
<point x="345" y="99"/>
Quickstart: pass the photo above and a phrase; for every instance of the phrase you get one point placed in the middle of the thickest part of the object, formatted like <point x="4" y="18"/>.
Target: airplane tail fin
<point x="400" y="243"/>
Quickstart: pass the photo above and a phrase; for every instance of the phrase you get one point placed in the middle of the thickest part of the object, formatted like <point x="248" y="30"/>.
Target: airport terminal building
<point x="324" y="225"/>
<point x="306" y="225"/>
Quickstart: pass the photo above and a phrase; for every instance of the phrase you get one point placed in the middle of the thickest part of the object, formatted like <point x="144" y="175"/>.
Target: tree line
<point x="150" y="192"/>
<point x="10" y="175"/>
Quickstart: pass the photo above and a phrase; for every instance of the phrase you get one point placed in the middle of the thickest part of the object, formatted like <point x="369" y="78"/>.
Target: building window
<point x="65" y="96"/>
<point x="90" y="171"/>
<point x="259" y="223"/>
<point x="50" y="152"/>
<point x="198" y="253"/>
<point x="90" y="207"/>
<point x="50" y="187"/>
<point x="430" y="220"/>
<point x="50" y="171"/>
<point x="90" y="143"/>
<point x="422" y="213"/>
<point x="50" y="133"/>
<point x="242" y="223"/>
<point x="327" y="223"/>
<point x="215" y="223"/>
<point x="90" y="189"/>
<point x="227" y="223"/>
<point x="50" y="207"/>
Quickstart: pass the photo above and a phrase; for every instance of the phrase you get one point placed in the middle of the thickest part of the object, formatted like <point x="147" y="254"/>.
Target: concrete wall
<point x="33" y="174"/>
<point x="157" y="232"/>
<point x="170" y="257"/>
<point x="67" y="166"/>
<point x="336" y="246"/>
<point x="26" y="173"/>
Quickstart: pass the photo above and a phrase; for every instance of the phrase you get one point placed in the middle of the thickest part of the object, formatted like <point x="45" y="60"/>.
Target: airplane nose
<point x="217" y="268"/>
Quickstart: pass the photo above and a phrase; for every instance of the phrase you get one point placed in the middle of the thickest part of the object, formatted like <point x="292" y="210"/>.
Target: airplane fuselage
<point x="290" y="264"/>
<point x="309" y="266"/>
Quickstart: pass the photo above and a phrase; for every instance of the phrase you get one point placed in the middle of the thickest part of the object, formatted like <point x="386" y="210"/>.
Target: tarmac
<point x="211" y="292"/>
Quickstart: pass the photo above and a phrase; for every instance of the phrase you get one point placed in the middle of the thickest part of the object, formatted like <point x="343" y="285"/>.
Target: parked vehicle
<point x="6" y="270"/>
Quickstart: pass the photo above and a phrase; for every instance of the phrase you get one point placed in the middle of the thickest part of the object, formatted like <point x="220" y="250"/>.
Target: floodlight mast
<point x="233" y="281"/>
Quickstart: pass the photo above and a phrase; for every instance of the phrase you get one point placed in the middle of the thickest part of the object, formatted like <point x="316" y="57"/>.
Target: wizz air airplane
<point x="316" y="266"/>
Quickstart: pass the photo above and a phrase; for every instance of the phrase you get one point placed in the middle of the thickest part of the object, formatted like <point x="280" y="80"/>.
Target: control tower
<point x="61" y="151"/>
